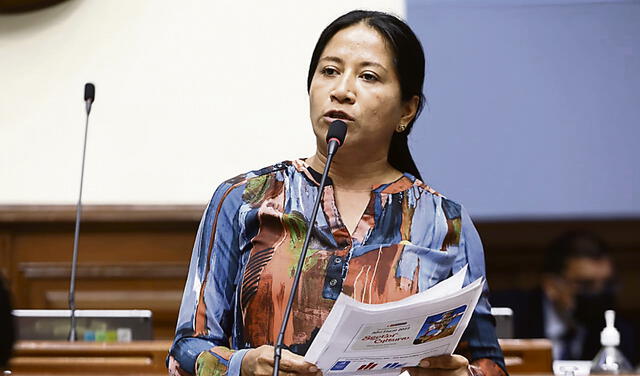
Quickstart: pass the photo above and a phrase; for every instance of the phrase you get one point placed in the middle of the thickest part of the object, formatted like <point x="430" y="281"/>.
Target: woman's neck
<point x="355" y="176"/>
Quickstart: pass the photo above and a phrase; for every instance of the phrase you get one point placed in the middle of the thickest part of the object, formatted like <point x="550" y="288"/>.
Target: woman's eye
<point x="329" y="71"/>
<point x="369" y="76"/>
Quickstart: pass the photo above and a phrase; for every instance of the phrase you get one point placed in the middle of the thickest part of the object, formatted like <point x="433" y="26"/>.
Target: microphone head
<point x="89" y="92"/>
<point x="337" y="131"/>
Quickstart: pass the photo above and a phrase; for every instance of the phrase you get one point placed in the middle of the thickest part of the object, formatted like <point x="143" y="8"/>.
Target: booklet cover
<point x="360" y="338"/>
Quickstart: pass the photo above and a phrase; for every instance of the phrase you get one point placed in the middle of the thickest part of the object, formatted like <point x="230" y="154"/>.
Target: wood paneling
<point x="514" y="253"/>
<point x="5" y="255"/>
<point x="148" y="357"/>
<point x="526" y="356"/>
<point x="137" y="256"/>
<point x="87" y="358"/>
<point x="129" y="258"/>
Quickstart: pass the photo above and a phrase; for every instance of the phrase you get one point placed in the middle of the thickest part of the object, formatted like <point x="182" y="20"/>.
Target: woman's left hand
<point x="444" y="365"/>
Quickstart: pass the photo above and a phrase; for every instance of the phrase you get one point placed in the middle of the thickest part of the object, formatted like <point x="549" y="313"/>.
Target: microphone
<point x="335" y="138"/>
<point x="89" y="96"/>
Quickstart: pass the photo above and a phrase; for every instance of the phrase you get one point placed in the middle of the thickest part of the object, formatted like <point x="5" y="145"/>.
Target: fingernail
<point x="313" y="369"/>
<point x="424" y="364"/>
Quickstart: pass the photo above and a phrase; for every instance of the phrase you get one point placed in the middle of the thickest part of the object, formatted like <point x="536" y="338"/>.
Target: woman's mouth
<point x="337" y="115"/>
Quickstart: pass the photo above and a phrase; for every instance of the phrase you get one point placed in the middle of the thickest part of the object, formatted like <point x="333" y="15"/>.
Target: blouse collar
<point x="401" y="184"/>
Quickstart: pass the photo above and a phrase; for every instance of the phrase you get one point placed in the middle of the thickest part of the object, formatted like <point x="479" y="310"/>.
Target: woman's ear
<point x="409" y="110"/>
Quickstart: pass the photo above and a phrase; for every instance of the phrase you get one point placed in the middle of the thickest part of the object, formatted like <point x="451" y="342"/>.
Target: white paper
<point x="381" y="339"/>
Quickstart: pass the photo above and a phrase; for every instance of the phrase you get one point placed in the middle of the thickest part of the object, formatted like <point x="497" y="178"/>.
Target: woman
<point x="367" y="69"/>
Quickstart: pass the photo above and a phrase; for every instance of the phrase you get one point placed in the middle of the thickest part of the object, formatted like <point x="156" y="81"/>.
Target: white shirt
<point x="555" y="328"/>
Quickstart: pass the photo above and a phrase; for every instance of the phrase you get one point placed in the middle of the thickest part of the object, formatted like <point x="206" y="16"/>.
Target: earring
<point x="401" y="128"/>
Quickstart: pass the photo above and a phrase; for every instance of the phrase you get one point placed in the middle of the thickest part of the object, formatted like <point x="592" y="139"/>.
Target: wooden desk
<point x="148" y="357"/>
<point x="527" y="356"/>
<point x="89" y="358"/>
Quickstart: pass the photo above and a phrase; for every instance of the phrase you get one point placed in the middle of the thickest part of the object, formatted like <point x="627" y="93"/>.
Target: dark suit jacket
<point x="528" y="322"/>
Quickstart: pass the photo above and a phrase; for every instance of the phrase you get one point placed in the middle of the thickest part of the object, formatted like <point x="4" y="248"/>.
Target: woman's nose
<point x="343" y="92"/>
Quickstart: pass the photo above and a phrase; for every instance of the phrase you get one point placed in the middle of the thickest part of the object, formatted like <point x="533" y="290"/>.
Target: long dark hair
<point x="409" y="64"/>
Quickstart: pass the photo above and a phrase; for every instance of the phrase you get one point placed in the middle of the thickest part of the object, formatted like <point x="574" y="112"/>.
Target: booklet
<point x="380" y="339"/>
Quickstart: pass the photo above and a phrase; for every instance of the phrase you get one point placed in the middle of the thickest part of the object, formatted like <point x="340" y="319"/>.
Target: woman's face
<point x="356" y="81"/>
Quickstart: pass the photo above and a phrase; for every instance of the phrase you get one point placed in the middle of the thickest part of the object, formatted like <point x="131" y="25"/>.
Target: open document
<point x="382" y="338"/>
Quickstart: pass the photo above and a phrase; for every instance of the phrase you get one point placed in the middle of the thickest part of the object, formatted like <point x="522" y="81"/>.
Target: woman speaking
<point x="379" y="225"/>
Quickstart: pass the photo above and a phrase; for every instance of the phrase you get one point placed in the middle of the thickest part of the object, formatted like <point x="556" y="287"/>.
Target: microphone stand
<point x="74" y="262"/>
<point x="332" y="148"/>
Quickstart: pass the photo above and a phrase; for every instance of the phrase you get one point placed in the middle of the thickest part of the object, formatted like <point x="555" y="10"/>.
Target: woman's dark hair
<point x="409" y="64"/>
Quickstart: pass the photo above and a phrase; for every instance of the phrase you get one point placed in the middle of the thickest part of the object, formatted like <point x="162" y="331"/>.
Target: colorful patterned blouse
<point x="247" y="246"/>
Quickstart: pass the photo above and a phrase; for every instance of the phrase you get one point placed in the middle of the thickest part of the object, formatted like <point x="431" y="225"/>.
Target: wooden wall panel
<point x="137" y="257"/>
<point x="514" y="253"/>
<point x="5" y="255"/>
<point x="129" y="258"/>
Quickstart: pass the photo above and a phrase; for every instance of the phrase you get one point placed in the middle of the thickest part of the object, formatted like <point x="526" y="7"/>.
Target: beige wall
<point x="188" y="93"/>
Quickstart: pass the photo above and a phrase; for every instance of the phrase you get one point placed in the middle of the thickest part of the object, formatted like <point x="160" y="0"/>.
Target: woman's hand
<point x="259" y="362"/>
<point x="444" y="365"/>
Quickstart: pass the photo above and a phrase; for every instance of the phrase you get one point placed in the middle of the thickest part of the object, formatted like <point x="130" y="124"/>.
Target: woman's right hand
<point x="259" y="362"/>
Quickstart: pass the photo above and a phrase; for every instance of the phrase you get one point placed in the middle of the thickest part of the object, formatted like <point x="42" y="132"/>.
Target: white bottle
<point x="609" y="359"/>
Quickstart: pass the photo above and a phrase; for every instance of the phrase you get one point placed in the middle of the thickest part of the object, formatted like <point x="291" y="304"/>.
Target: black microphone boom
<point x="335" y="138"/>
<point x="89" y="96"/>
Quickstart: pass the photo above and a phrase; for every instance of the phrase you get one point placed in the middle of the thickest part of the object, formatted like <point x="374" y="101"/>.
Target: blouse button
<point x="337" y="260"/>
<point x="333" y="282"/>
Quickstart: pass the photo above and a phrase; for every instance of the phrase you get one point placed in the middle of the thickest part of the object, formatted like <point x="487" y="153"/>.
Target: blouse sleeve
<point x="205" y="322"/>
<point x="480" y="334"/>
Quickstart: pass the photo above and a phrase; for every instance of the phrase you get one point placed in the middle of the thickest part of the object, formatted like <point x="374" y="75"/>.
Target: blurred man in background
<point x="577" y="286"/>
